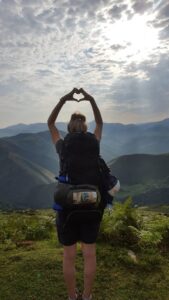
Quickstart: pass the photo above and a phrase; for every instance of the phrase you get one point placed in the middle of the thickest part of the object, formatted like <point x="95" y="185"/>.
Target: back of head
<point x="77" y="123"/>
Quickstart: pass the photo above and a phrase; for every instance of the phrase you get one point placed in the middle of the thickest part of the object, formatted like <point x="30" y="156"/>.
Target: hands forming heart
<point x="77" y="95"/>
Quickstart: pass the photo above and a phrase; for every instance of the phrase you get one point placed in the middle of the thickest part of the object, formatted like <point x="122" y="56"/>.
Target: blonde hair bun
<point x="77" y="123"/>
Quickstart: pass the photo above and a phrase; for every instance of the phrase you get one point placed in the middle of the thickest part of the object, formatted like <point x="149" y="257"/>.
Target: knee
<point x="89" y="254"/>
<point x="69" y="254"/>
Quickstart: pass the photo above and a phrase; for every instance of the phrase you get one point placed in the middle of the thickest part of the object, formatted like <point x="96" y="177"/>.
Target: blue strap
<point x="62" y="178"/>
<point x="57" y="207"/>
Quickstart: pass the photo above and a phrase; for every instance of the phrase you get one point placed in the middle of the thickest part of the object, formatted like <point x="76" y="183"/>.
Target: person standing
<point x="73" y="231"/>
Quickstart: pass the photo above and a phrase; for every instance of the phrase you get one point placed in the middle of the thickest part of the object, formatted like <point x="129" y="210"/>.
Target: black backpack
<point x="81" y="164"/>
<point x="80" y="158"/>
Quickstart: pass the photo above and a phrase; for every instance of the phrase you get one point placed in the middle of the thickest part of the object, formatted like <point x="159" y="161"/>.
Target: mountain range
<point x="135" y="154"/>
<point x="117" y="139"/>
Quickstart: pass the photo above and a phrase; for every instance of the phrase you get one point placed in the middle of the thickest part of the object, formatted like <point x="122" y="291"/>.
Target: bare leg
<point x="89" y="254"/>
<point x="69" y="256"/>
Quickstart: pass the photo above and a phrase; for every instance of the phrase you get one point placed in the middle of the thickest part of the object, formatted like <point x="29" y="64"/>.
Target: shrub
<point x="154" y="231"/>
<point x="128" y="226"/>
<point x="19" y="227"/>
<point x="117" y="226"/>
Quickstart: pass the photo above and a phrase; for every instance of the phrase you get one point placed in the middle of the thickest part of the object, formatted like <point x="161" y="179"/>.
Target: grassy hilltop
<point x="132" y="255"/>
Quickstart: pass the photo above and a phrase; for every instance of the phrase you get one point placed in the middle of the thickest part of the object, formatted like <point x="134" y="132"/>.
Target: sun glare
<point x="136" y="37"/>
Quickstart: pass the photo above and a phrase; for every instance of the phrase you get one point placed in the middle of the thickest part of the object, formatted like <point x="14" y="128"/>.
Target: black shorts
<point x="78" y="226"/>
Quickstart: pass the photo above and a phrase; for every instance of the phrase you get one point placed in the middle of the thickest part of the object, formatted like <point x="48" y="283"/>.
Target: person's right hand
<point x="87" y="96"/>
<point x="69" y="96"/>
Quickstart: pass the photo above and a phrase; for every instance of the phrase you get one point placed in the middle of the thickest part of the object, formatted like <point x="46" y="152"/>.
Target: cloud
<point x="49" y="46"/>
<point x="118" y="47"/>
<point x="148" y="96"/>
<point x="141" y="6"/>
<point x="162" y="20"/>
<point x="164" y="11"/>
<point x="116" y="11"/>
<point x="164" y="33"/>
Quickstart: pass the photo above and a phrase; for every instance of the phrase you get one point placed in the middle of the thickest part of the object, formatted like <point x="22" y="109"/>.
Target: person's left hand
<point x="69" y="96"/>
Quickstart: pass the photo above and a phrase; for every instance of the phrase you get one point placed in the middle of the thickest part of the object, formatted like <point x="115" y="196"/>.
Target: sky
<point x="118" y="51"/>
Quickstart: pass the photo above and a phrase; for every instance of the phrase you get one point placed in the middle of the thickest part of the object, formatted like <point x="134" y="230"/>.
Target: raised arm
<point x="96" y="112"/>
<point x="54" y="114"/>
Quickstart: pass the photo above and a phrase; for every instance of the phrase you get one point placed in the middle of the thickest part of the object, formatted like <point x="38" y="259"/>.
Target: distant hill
<point x="17" y="177"/>
<point x="140" y="168"/>
<point x="150" y="138"/>
<point x="27" y="128"/>
<point x="118" y="139"/>
<point x="28" y="164"/>
<point x="144" y="177"/>
<point x="155" y="197"/>
<point x="42" y="195"/>
<point x="37" y="148"/>
<point x="26" y="161"/>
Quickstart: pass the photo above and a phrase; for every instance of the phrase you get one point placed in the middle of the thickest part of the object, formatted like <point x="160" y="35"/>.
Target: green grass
<point x="34" y="271"/>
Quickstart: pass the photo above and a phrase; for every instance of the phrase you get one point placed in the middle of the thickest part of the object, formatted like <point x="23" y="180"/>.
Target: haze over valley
<point x="137" y="153"/>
